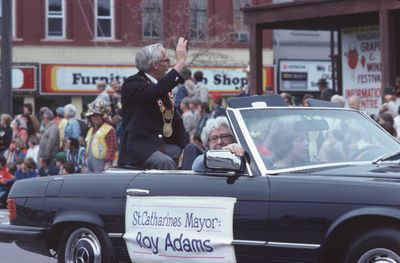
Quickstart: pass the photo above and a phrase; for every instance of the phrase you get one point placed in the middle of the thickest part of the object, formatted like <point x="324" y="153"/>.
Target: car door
<point x="250" y="210"/>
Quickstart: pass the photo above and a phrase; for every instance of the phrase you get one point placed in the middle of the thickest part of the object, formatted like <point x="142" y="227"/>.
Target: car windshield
<point x="298" y="137"/>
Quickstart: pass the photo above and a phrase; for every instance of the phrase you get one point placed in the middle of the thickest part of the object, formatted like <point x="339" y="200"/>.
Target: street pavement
<point x="10" y="253"/>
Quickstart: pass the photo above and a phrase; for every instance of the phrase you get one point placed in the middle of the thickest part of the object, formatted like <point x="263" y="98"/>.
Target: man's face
<point x="161" y="66"/>
<point x="219" y="138"/>
<point x="388" y="98"/>
<point x="353" y="104"/>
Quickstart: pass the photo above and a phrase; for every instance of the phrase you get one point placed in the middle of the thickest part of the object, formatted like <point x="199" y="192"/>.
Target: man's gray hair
<point x="48" y="114"/>
<point x="147" y="55"/>
<point x="69" y="111"/>
<point x="211" y="125"/>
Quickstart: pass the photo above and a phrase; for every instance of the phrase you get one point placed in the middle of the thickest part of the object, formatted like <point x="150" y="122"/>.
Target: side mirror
<point x="224" y="160"/>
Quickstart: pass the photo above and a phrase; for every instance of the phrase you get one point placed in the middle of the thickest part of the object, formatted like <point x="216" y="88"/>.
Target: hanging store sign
<point x="303" y="75"/>
<point x="361" y="63"/>
<point x="25" y="78"/>
<point x="60" y="79"/>
<point x="80" y="79"/>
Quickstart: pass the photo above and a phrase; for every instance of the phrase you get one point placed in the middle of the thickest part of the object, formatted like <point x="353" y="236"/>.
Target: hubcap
<point x="83" y="246"/>
<point x="379" y="255"/>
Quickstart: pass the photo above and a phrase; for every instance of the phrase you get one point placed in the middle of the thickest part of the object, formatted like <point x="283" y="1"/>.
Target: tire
<point x="85" y="244"/>
<point x="378" y="245"/>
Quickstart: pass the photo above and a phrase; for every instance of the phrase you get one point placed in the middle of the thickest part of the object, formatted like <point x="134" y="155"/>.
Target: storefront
<point x="55" y="85"/>
<point x="367" y="57"/>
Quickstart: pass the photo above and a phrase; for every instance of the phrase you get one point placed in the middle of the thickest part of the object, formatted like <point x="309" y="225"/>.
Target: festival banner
<point x="179" y="229"/>
<point x="361" y="63"/>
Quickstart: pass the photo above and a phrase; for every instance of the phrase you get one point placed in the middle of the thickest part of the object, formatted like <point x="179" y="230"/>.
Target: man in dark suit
<point x="153" y="134"/>
<point x="326" y="93"/>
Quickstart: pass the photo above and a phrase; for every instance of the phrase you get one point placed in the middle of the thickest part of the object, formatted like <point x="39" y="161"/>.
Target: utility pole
<point x="6" y="57"/>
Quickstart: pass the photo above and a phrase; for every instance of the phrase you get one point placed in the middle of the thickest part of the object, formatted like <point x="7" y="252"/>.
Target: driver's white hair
<point x="211" y="125"/>
<point x="147" y="55"/>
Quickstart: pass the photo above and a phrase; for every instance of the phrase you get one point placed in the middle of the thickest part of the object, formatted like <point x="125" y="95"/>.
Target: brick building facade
<point x="54" y="38"/>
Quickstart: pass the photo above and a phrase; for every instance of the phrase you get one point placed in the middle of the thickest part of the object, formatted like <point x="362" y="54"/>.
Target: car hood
<point x="384" y="171"/>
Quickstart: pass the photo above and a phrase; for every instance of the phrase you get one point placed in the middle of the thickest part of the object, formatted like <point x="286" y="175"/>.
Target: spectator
<point x="84" y="127"/>
<point x="20" y="130"/>
<point x="28" y="169"/>
<point x="61" y="159"/>
<point x="103" y="95"/>
<point x="6" y="132"/>
<point x="15" y="151"/>
<point x="153" y="136"/>
<point x="72" y="129"/>
<point x="68" y="169"/>
<point x="397" y="86"/>
<point x="287" y="98"/>
<point x="101" y="139"/>
<point x="386" y="121"/>
<point x="392" y="102"/>
<point x="61" y="122"/>
<point x="204" y="115"/>
<point x="180" y="92"/>
<point x="5" y="175"/>
<point x="6" y="181"/>
<point x="339" y="100"/>
<point x="33" y="150"/>
<point x="34" y="125"/>
<point x="325" y="92"/>
<point x="42" y="126"/>
<point x="200" y="89"/>
<point x="189" y="120"/>
<point x="50" y="140"/>
<point x="305" y="99"/>
<point x="116" y="96"/>
<point x="75" y="154"/>
<point x="46" y="168"/>
<point x="216" y="104"/>
<point x="354" y="102"/>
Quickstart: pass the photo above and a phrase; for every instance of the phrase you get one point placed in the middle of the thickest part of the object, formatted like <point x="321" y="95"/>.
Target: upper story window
<point x="152" y="17"/>
<point x="13" y="13"/>
<point x="55" y="13"/>
<point x="198" y="19"/>
<point x="240" y="33"/>
<point x="104" y="18"/>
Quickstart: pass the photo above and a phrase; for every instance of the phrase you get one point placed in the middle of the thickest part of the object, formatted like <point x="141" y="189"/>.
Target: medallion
<point x="168" y="114"/>
<point x="167" y="129"/>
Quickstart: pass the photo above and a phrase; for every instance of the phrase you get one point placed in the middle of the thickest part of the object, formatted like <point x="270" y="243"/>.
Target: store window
<point x="52" y="102"/>
<point x="198" y="19"/>
<point x="55" y="13"/>
<point x="152" y="18"/>
<point x="104" y="18"/>
<point x="240" y="33"/>
<point x="13" y="13"/>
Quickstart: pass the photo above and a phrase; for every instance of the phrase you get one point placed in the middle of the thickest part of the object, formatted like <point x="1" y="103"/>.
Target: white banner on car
<point x="179" y="229"/>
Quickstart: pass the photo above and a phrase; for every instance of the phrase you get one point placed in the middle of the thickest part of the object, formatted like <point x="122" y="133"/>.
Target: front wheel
<point x="380" y="245"/>
<point x="85" y="244"/>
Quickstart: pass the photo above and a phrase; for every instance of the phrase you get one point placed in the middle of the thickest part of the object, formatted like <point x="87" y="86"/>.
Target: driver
<point x="216" y="135"/>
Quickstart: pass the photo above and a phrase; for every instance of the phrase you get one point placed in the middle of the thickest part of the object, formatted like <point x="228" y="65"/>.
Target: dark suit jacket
<point x="142" y="120"/>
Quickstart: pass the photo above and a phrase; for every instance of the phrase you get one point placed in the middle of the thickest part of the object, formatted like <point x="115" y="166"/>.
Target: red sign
<point x="25" y="77"/>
